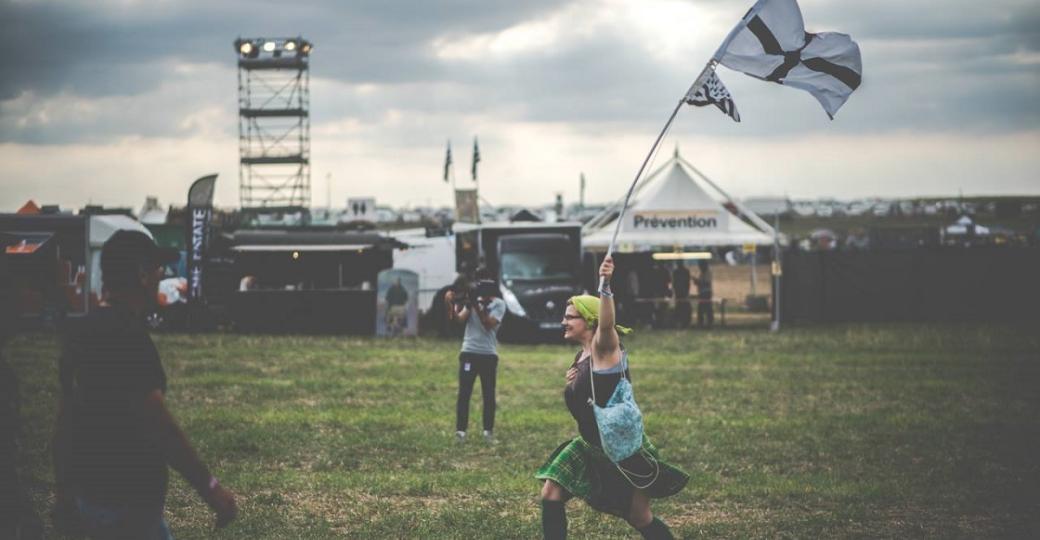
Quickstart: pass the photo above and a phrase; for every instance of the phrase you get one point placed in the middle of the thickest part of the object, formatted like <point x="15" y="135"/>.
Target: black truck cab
<point x="537" y="265"/>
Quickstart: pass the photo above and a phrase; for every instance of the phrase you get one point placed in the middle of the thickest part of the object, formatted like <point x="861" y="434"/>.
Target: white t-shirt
<point x="480" y="340"/>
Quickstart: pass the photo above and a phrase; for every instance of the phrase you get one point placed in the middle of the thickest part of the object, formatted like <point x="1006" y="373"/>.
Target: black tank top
<point x="578" y="393"/>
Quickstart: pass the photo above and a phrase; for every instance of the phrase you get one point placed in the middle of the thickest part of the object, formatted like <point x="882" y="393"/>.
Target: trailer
<point x="538" y="267"/>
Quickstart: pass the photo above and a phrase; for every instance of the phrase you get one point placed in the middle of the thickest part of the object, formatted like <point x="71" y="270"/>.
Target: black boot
<point x="656" y="530"/>
<point x="554" y="520"/>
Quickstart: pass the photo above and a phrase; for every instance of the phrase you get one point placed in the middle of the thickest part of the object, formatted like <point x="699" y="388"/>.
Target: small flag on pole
<point x="771" y="44"/>
<point x="581" y="191"/>
<point x="476" y="158"/>
<point x="447" y="162"/>
<point x="714" y="92"/>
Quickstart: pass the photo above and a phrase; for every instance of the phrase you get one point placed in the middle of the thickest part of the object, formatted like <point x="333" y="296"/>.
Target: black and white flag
<point x="771" y="44"/>
<point x="714" y="92"/>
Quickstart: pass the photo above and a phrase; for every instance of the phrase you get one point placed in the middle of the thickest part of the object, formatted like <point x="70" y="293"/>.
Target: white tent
<point x="963" y="225"/>
<point x="669" y="210"/>
<point x="101" y="229"/>
<point x="152" y="213"/>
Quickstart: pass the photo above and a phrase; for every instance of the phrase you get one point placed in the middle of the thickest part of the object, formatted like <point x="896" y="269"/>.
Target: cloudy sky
<point x="108" y="101"/>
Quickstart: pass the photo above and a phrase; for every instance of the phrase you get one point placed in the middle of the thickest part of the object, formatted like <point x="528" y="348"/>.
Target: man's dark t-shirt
<point x="108" y="367"/>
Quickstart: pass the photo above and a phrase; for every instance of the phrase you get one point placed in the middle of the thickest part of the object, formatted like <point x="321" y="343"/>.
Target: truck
<point x="538" y="267"/>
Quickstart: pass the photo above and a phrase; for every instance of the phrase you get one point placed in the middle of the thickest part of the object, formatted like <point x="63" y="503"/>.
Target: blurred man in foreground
<point x="114" y="436"/>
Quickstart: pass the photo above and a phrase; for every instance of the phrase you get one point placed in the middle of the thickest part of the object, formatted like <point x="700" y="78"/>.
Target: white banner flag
<point x="771" y="44"/>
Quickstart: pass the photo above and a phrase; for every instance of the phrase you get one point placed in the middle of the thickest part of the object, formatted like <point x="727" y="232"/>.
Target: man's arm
<point x="455" y="313"/>
<point x="486" y="318"/>
<point x="162" y="427"/>
<point x="462" y="312"/>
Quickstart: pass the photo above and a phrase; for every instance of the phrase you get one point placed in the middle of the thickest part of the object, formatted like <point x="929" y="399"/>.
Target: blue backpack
<point x="620" y="425"/>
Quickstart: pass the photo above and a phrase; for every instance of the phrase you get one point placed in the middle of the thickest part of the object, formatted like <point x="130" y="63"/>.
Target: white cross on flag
<point x="771" y="44"/>
<point x="714" y="92"/>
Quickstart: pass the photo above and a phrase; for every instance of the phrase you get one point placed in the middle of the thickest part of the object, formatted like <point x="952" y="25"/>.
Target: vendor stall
<point x="47" y="256"/>
<point x="308" y="281"/>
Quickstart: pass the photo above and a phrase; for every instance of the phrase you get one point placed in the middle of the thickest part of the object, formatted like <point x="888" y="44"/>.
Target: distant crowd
<point x="658" y="295"/>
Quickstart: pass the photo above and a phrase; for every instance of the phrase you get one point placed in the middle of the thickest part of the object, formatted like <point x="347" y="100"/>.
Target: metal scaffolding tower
<point x="274" y="125"/>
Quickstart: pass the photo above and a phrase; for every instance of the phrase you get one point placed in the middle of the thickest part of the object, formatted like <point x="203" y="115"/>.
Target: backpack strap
<point x="592" y="372"/>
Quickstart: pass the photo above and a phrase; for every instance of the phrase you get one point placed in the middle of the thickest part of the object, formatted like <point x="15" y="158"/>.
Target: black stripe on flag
<point x="791" y="60"/>
<point x="842" y="73"/>
<point x="764" y="35"/>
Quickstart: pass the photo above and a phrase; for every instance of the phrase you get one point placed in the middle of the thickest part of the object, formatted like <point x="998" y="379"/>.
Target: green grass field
<point x="890" y="431"/>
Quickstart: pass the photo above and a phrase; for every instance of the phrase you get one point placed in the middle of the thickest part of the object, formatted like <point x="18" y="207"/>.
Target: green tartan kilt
<point x="586" y="472"/>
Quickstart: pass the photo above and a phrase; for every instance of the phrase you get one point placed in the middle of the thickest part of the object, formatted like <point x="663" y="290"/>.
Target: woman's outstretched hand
<point x="606" y="270"/>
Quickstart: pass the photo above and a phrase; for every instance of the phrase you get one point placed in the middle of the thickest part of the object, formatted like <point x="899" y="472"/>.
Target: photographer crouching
<point x="481" y="311"/>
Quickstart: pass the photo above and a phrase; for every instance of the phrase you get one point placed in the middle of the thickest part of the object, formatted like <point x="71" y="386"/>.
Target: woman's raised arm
<point x="606" y="340"/>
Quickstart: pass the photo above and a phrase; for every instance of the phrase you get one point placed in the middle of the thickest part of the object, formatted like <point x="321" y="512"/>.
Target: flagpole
<point x="777" y="269"/>
<point x="617" y="227"/>
<point x="476" y="183"/>
<point x="697" y="83"/>
<point x="451" y="171"/>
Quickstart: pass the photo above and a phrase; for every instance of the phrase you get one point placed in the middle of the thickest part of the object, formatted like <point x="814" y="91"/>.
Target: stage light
<point x="290" y="45"/>
<point x="295" y="255"/>
<point x="247" y="48"/>
<point x="269" y="46"/>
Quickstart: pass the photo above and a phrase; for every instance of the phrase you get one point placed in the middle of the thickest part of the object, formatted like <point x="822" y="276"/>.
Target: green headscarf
<point x="588" y="307"/>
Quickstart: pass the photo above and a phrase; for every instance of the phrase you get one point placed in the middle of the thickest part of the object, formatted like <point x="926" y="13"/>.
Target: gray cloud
<point x="940" y="66"/>
<point x="72" y="45"/>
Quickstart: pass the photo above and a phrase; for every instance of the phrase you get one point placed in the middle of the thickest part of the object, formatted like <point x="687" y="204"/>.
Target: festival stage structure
<point x="274" y="123"/>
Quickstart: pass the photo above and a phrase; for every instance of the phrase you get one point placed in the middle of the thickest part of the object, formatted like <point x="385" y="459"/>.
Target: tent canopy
<point x="285" y="240"/>
<point x="672" y="211"/>
<point x="102" y="227"/>
<point x="963" y="225"/>
<point x="29" y="208"/>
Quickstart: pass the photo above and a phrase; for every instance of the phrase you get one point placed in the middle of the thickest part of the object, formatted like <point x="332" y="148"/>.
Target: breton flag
<point x="447" y="162"/>
<point x="714" y="92"/>
<point x="771" y="43"/>
<point x="476" y="158"/>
